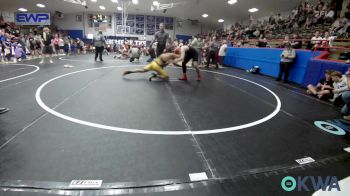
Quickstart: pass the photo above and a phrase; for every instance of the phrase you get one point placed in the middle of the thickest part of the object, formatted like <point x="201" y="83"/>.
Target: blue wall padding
<point x="75" y="33"/>
<point x="316" y="68"/>
<point x="184" y="38"/>
<point x="268" y="59"/>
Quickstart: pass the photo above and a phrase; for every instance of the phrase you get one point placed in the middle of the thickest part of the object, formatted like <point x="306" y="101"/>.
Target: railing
<point x="274" y="43"/>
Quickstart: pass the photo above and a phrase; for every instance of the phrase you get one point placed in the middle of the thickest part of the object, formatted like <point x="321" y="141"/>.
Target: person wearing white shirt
<point x="328" y="40"/>
<point x="222" y="52"/>
<point x="340" y="86"/>
<point x="287" y="59"/>
<point x="316" y="40"/>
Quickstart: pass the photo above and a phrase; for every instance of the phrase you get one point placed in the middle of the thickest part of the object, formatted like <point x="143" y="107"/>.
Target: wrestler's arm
<point x="172" y="58"/>
<point x="182" y="56"/>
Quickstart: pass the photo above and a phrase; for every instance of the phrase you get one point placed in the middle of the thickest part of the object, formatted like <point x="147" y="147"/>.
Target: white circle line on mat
<point x="36" y="69"/>
<point x="152" y="132"/>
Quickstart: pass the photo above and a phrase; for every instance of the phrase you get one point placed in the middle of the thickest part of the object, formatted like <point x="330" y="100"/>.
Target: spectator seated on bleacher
<point x="315" y="41"/>
<point x="347" y="13"/>
<point x="296" y="42"/>
<point x="262" y="42"/>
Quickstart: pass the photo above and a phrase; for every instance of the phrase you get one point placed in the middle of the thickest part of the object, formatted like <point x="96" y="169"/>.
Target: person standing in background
<point x="222" y="52"/>
<point x="61" y="44"/>
<point x="196" y="45"/>
<point x="2" y="42"/>
<point x="99" y="43"/>
<point x="212" y="49"/>
<point x="22" y="41"/>
<point x="47" y="45"/>
<point x="80" y="46"/>
<point x="38" y="41"/>
<point x="161" y="37"/>
<point x="287" y="59"/>
<point x="200" y="54"/>
<point x="115" y="47"/>
<point x="66" y="46"/>
<point x="7" y="48"/>
<point x="19" y="53"/>
<point x="56" y="42"/>
<point x="31" y="44"/>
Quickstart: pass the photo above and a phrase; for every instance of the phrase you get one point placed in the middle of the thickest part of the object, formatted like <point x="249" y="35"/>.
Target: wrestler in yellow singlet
<point x="157" y="65"/>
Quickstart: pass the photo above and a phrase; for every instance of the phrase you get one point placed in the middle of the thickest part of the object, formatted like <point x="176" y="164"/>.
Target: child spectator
<point x="340" y="86"/>
<point x="19" y="52"/>
<point x="222" y="52"/>
<point x="213" y="47"/>
<point x="323" y="90"/>
<point x="328" y="40"/>
<point x="316" y="40"/>
<point x="7" y="49"/>
<point x="56" y="42"/>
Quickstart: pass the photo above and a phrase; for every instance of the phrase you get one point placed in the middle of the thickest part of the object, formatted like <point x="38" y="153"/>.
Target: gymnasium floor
<point x="145" y="138"/>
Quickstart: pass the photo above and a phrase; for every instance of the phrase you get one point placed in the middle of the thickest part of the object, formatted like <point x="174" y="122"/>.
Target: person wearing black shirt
<point x="323" y="90"/>
<point x="47" y="43"/>
<point x="211" y="55"/>
<point x="99" y="43"/>
<point x="7" y="48"/>
<point x="296" y="42"/>
<point x="161" y="37"/>
<point x="347" y="14"/>
<point x="262" y="42"/>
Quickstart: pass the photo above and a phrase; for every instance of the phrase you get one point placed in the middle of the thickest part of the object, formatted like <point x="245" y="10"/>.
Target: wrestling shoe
<point x="183" y="78"/>
<point x="152" y="76"/>
<point x="199" y="78"/>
